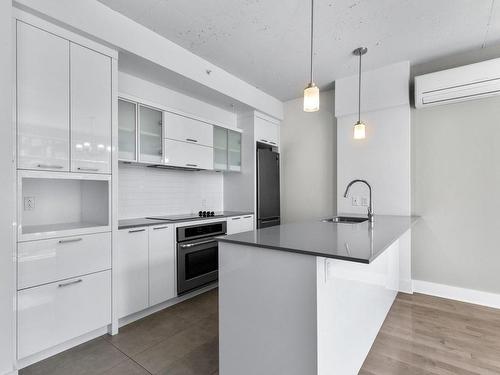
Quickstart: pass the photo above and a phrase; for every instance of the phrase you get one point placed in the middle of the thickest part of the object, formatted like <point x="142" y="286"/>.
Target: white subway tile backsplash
<point x="146" y="191"/>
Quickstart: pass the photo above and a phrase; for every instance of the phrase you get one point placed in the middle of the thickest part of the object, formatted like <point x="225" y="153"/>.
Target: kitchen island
<point x="306" y="298"/>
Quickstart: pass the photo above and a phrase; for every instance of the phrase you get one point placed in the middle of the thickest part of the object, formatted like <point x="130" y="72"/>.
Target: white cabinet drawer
<point x="238" y="224"/>
<point x="188" y="155"/>
<point x="266" y="132"/>
<point x="186" y="129"/>
<point x="45" y="261"/>
<point x="246" y="223"/>
<point x="54" y="313"/>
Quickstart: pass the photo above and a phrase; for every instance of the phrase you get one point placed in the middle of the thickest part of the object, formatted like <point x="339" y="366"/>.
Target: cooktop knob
<point x="212" y="213"/>
<point x="200" y="214"/>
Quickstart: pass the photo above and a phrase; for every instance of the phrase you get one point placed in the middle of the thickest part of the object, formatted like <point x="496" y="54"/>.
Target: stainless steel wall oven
<point x="198" y="255"/>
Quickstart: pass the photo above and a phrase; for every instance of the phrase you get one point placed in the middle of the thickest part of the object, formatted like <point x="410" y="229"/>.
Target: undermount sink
<point x="345" y="220"/>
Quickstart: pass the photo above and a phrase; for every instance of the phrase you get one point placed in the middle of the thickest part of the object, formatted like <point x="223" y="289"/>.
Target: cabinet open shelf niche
<point x="64" y="204"/>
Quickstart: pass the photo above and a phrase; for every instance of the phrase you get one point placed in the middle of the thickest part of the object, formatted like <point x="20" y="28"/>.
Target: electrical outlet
<point x="29" y="203"/>
<point x="364" y="201"/>
<point x="355" y="201"/>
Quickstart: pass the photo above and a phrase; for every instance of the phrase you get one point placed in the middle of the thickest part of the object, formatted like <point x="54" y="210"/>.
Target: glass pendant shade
<point x="311" y="98"/>
<point x="359" y="130"/>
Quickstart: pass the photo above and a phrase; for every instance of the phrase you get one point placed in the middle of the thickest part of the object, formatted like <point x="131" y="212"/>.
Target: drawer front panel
<point x="46" y="261"/>
<point x="186" y="129"/>
<point x="54" y="313"/>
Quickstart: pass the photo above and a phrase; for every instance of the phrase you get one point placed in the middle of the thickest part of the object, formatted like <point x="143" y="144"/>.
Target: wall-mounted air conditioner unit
<point x="467" y="82"/>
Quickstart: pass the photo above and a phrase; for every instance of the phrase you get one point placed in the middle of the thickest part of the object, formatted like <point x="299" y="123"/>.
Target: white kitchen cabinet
<point x="186" y="129"/>
<point x="234" y="150"/>
<point x="266" y="132"/>
<point x="150" y="135"/>
<point x="220" y="148"/>
<point x="90" y="110"/>
<point x="238" y="224"/>
<point x="188" y="155"/>
<point x="51" y="314"/>
<point x="162" y="266"/>
<point x="127" y="130"/>
<point x="132" y="271"/>
<point x="46" y="261"/>
<point x="43" y="109"/>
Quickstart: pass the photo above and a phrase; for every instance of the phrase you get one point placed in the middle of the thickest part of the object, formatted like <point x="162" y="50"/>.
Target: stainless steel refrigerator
<point x="268" y="188"/>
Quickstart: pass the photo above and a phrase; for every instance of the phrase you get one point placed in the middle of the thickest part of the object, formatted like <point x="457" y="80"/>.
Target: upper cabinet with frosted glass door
<point x="220" y="149"/>
<point x="127" y="130"/>
<point x="90" y="110"/>
<point x="150" y="134"/>
<point x="234" y="150"/>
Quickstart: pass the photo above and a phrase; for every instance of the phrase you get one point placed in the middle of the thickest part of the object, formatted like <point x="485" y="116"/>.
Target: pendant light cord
<point x="359" y="90"/>
<point x="312" y="37"/>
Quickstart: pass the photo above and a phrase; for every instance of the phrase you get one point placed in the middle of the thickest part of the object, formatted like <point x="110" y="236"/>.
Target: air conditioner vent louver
<point x="468" y="82"/>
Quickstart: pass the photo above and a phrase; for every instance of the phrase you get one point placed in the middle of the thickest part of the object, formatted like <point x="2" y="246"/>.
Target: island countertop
<point x="362" y="242"/>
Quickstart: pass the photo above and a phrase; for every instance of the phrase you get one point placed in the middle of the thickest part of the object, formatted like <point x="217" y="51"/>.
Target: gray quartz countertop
<point x="143" y="222"/>
<point x="361" y="242"/>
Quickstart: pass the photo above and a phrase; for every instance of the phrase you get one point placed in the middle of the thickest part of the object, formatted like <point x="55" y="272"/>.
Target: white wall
<point x="383" y="158"/>
<point x="6" y="192"/>
<point x="308" y="161"/>
<point x="147" y="191"/>
<point x="455" y="190"/>
<point x="162" y="96"/>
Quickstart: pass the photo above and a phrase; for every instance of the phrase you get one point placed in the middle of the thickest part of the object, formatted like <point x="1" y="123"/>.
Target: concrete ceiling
<point x="266" y="43"/>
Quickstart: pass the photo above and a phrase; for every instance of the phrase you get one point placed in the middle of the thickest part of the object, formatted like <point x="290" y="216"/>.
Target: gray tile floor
<point x="180" y="340"/>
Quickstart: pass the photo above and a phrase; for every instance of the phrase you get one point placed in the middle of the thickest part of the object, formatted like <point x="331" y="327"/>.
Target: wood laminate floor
<point x="421" y="335"/>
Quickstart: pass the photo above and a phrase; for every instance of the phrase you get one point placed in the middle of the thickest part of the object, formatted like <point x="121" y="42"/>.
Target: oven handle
<point x="188" y="245"/>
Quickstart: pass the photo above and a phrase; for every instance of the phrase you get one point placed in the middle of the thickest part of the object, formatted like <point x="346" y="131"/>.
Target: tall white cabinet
<point x="42" y="99"/>
<point x="65" y="103"/>
<point x="90" y="110"/>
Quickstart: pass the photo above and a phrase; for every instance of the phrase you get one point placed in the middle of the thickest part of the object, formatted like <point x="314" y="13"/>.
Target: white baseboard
<point x="406" y="286"/>
<point x="460" y="294"/>
<point x="151" y="310"/>
<point x="27" y="361"/>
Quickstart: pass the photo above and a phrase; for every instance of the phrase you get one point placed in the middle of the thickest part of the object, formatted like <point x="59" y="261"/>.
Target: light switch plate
<point x="29" y="203"/>
<point x="355" y="201"/>
<point x="364" y="201"/>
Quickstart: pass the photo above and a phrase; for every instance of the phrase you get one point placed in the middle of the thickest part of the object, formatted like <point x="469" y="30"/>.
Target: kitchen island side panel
<point x="267" y="311"/>
<point x="353" y="302"/>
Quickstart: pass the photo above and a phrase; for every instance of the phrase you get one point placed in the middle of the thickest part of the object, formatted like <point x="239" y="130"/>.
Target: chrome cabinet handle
<point x="62" y="285"/>
<point x="247" y="217"/>
<point x="49" y="166"/>
<point x="71" y="240"/>
<point x="264" y="140"/>
<point x="191" y="165"/>
<point x="235" y="218"/>
<point x="188" y="245"/>
<point x="156" y="228"/>
<point x="191" y="140"/>
<point x="88" y="169"/>
<point x="136" y="230"/>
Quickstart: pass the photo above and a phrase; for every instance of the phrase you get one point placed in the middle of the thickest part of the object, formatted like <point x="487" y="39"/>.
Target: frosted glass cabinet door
<point x="220" y="148"/>
<point x="42" y="99"/>
<point x="150" y="134"/>
<point x="127" y="130"/>
<point x="90" y="110"/>
<point x="234" y="150"/>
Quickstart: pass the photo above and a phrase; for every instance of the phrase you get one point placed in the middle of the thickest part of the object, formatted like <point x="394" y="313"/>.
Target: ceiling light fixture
<point x="311" y="92"/>
<point x="359" y="127"/>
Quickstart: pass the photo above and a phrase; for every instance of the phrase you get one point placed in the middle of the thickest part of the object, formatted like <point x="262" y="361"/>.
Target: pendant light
<point x="311" y="92"/>
<point x="359" y="127"/>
